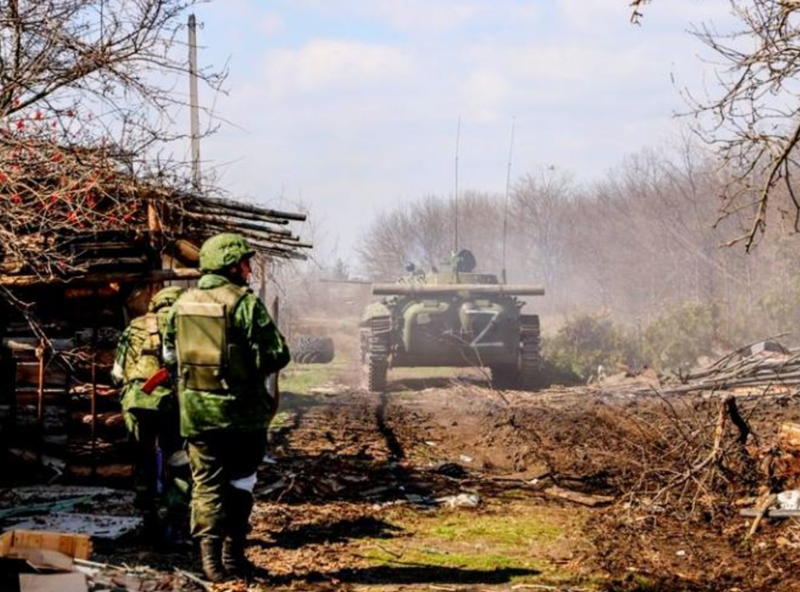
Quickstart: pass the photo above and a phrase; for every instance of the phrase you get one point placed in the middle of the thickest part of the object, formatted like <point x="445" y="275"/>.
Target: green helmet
<point x="165" y="297"/>
<point x="223" y="250"/>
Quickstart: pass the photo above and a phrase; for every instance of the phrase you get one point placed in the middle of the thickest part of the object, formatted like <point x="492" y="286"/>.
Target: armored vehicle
<point x="455" y="317"/>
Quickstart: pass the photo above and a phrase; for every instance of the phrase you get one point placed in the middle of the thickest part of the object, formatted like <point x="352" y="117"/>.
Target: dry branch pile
<point x="766" y="366"/>
<point x="763" y="365"/>
<point x="680" y="468"/>
<point x="72" y="209"/>
<point x="685" y="458"/>
<point x="678" y="455"/>
<point x="685" y="468"/>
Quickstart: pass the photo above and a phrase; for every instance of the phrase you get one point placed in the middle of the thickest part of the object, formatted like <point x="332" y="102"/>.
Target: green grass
<point x="301" y="378"/>
<point x="280" y="420"/>
<point x="640" y="583"/>
<point x="507" y="530"/>
<point x="465" y="560"/>
<point x="512" y="536"/>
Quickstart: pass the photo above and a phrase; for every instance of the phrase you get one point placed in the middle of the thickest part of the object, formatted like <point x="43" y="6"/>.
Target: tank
<point x="456" y="318"/>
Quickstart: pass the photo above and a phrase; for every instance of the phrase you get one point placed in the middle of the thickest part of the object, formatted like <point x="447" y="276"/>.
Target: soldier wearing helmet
<point x="225" y="346"/>
<point x="150" y="409"/>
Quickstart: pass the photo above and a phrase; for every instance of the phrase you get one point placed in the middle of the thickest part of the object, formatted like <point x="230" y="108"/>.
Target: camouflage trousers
<point x="224" y="466"/>
<point x="150" y="431"/>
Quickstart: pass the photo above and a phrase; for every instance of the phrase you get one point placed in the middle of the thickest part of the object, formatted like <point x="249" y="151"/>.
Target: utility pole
<point x="194" y="103"/>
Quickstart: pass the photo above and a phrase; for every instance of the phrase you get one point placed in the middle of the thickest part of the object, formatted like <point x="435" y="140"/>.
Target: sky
<point x="351" y="107"/>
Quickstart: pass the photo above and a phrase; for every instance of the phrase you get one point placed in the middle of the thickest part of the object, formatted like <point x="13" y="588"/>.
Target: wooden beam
<point x="252" y="209"/>
<point x="148" y="277"/>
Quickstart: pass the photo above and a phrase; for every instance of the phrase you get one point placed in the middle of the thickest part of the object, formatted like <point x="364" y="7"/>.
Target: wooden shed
<point x="84" y="243"/>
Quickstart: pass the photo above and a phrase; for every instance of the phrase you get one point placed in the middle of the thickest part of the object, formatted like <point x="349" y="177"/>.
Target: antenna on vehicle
<point x="508" y="194"/>
<point x="455" y="197"/>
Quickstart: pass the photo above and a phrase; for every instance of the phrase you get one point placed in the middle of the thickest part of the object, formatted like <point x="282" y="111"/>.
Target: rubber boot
<point x="233" y="557"/>
<point x="234" y="560"/>
<point x="211" y="556"/>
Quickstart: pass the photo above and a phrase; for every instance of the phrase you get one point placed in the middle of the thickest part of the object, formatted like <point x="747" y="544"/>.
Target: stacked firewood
<point x="71" y="210"/>
<point x="266" y="229"/>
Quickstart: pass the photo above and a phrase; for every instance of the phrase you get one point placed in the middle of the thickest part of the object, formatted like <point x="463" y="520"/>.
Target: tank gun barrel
<point x="447" y="289"/>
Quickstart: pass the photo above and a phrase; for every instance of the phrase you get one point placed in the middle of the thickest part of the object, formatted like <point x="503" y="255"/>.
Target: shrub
<point x="680" y="335"/>
<point x="781" y="308"/>
<point x="587" y="341"/>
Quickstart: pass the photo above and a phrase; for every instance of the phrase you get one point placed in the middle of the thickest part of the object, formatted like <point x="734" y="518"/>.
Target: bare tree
<point x="116" y="59"/>
<point x="87" y="92"/>
<point x="637" y="244"/>
<point x="753" y="120"/>
<point x="636" y="10"/>
<point x="543" y="211"/>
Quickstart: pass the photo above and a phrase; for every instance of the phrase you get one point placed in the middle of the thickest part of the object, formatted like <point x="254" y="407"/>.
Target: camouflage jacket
<point x="132" y="344"/>
<point x="239" y="408"/>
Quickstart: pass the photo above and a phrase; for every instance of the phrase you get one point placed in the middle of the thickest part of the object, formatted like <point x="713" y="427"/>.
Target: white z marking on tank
<point x="479" y="338"/>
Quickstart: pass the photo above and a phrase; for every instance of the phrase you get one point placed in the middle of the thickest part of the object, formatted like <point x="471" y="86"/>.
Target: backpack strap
<point x="230" y="296"/>
<point x="154" y="335"/>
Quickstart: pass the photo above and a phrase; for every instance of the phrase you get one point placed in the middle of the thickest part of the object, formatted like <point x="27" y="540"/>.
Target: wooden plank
<point x="576" y="497"/>
<point x="774" y="513"/>
<point x="28" y="344"/>
<point x="31" y="401"/>
<point x="106" y="471"/>
<point x="101" y="279"/>
<point x="44" y="559"/>
<point x="28" y="373"/>
<point x="74" y="545"/>
<point x="34" y="390"/>
<point x="67" y="582"/>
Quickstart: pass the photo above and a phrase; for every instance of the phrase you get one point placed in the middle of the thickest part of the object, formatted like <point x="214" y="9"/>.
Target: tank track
<point x="375" y="350"/>
<point x="530" y="363"/>
<point x="526" y="374"/>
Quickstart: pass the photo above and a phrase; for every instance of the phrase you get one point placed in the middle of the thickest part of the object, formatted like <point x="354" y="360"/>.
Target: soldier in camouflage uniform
<point x="225" y="346"/>
<point x="151" y="418"/>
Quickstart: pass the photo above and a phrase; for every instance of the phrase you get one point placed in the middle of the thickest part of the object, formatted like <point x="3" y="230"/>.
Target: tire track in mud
<point x="396" y="452"/>
<point x="357" y="446"/>
<point x="339" y="457"/>
<point x="343" y="423"/>
<point x="336" y="448"/>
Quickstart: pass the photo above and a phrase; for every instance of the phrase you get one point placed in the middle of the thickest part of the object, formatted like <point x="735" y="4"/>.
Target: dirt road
<point x="359" y="496"/>
<point x="376" y="492"/>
